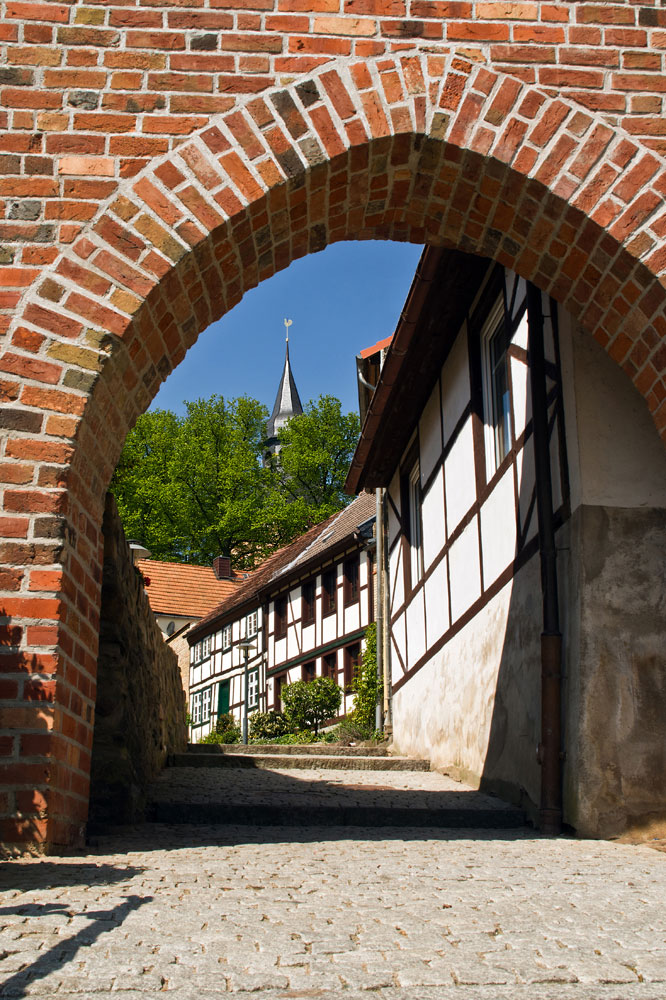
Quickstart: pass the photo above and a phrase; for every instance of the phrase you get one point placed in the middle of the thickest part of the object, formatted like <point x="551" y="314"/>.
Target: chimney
<point x="222" y="567"/>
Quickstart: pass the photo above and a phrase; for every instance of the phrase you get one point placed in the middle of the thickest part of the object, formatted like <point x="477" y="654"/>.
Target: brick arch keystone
<point x="434" y="149"/>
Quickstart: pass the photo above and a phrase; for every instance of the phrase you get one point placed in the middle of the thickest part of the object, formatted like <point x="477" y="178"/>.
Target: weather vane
<point x="287" y="324"/>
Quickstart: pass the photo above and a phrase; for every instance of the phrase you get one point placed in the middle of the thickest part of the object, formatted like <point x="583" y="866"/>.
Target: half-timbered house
<point x="302" y="614"/>
<point x="517" y="464"/>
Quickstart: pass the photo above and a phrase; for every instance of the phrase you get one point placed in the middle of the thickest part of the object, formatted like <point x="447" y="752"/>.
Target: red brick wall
<point x="156" y="161"/>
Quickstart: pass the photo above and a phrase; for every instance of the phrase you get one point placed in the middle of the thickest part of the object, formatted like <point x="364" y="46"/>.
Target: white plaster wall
<point x="308" y="637"/>
<point x="432" y="514"/>
<point x="430" y="435"/>
<point x="526" y="485"/>
<point x="616" y="458"/>
<point x="293" y="645"/>
<point x="510" y="278"/>
<point x="416" y="632"/>
<point x="465" y="570"/>
<point x="437" y="603"/>
<point x="522" y="396"/>
<point x="460" y="477"/>
<point x="329" y="628"/>
<point x="448" y="712"/>
<point x="498" y="529"/>
<point x="393" y="523"/>
<point x="396" y="578"/>
<point x="398" y="641"/>
<point x="455" y="384"/>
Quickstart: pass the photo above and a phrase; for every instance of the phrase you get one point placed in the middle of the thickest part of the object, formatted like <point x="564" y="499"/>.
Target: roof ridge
<point x="263" y="575"/>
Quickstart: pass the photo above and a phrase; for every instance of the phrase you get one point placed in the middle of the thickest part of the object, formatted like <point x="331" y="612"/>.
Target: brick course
<point x="157" y="160"/>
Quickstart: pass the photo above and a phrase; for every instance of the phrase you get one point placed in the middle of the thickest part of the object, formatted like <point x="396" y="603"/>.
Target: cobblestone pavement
<point x="339" y="913"/>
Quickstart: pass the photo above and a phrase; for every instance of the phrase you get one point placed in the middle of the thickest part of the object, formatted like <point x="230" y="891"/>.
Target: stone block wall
<point x="140" y="710"/>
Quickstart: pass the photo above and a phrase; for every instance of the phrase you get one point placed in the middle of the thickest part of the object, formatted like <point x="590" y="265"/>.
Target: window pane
<point x="308" y="672"/>
<point x="253" y="689"/>
<point x="351" y="580"/>
<point x="329" y="586"/>
<point x="415" y="524"/>
<point x="500" y="397"/>
<point x="308" y="597"/>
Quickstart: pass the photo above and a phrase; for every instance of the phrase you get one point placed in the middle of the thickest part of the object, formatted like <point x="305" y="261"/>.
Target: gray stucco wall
<point x="615" y="705"/>
<point x="615" y="776"/>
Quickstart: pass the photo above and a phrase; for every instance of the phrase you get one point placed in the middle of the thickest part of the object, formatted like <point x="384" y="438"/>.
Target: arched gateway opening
<point x="415" y="148"/>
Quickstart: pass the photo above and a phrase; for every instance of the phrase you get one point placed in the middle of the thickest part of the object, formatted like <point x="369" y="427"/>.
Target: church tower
<point x="287" y="405"/>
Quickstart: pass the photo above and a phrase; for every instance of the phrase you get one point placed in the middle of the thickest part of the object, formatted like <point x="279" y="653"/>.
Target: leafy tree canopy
<point x="193" y="487"/>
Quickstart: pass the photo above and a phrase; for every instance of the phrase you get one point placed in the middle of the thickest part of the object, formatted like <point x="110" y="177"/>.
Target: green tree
<point x="193" y="487"/>
<point x="309" y="703"/>
<point x="316" y="449"/>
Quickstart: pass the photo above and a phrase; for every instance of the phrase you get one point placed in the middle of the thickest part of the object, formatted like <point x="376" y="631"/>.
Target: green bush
<point x="366" y="686"/>
<point x="226" y="731"/>
<point x="267" y="726"/>
<point x="349" y="731"/>
<point x="297" y="738"/>
<point x="309" y="703"/>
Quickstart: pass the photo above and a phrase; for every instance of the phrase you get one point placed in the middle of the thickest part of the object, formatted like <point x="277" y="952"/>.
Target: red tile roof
<point x="184" y="589"/>
<point x="367" y="352"/>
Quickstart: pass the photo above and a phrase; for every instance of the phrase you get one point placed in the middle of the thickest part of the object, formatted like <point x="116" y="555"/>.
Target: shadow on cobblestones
<point x="43" y="874"/>
<point x="55" y="958"/>
<point x="149" y="837"/>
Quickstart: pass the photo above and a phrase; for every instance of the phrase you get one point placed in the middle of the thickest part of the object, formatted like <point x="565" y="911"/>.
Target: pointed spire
<point x="287" y="402"/>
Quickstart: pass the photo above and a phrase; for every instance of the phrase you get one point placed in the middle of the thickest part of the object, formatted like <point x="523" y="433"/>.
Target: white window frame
<point x="491" y="409"/>
<point x="415" y="532"/>
<point x="195" y="708"/>
<point x="206" y="702"/>
<point x="253" y="689"/>
<point x="205" y="647"/>
<point x="251" y="624"/>
<point x="226" y="638"/>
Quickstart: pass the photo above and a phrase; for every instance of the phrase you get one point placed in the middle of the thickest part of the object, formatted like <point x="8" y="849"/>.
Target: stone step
<point x="266" y="814"/>
<point x="330" y="797"/>
<point x="302" y="761"/>
<point x="319" y="749"/>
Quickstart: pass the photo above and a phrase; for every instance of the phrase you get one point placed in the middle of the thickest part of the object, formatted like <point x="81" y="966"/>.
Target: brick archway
<point x="427" y="149"/>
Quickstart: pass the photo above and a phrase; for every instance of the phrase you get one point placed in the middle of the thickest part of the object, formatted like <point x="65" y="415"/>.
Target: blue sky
<point x="340" y="300"/>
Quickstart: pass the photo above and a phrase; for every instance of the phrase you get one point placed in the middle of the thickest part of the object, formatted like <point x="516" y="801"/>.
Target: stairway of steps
<point x="318" y="785"/>
<point x="276" y="756"/>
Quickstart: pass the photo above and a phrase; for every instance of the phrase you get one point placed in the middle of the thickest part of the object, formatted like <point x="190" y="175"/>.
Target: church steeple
<point x="287" y="402"/>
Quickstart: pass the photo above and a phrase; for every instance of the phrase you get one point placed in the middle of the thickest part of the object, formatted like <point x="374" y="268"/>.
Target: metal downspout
<point x="549" y="749"/>
<point x="386" y="653"/>
<point x="379" y="607"/>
